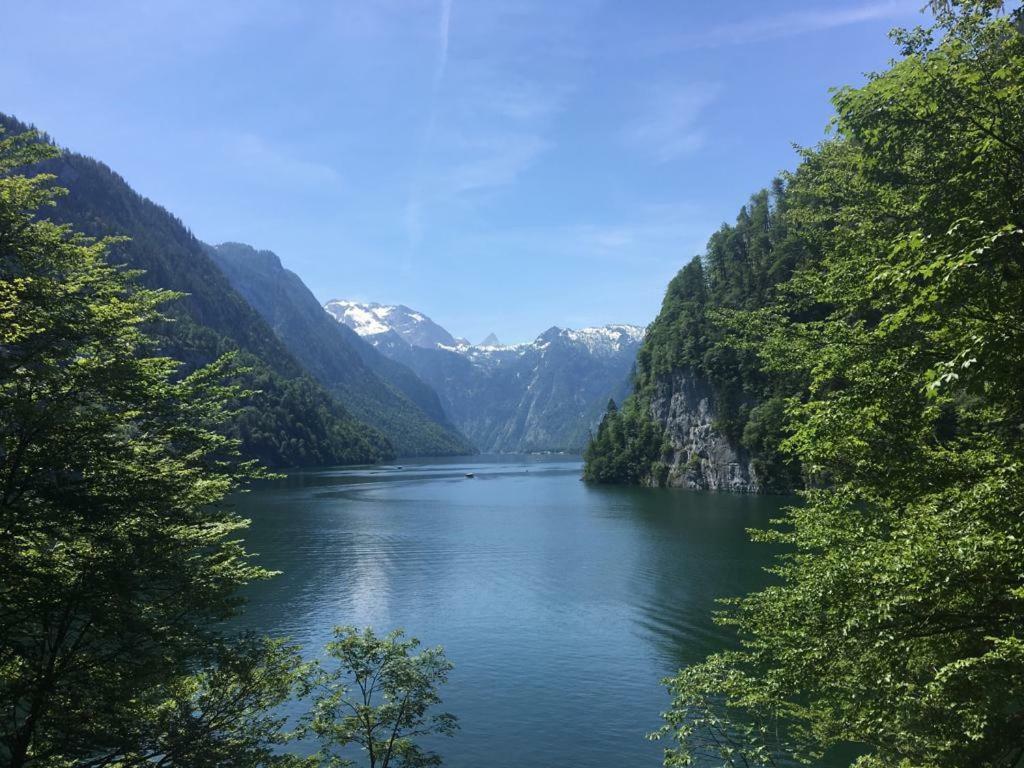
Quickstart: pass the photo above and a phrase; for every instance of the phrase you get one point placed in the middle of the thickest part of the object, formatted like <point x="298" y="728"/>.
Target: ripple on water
<point x="562" y="605"/>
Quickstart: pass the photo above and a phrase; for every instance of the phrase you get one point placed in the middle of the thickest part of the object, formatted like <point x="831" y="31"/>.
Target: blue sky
<point x="499" y="165"/>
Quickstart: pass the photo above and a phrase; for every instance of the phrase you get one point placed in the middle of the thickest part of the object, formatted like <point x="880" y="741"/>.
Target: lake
<point x="561" y="604"/>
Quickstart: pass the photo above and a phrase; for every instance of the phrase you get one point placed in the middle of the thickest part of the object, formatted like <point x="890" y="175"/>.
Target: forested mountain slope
<point x="380" y="391"/>
<point x="704" y="413"/>
<point x="291" y="420"/>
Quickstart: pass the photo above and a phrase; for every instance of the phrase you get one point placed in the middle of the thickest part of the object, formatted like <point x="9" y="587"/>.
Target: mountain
<point x="376" y="389"/>
<point x="372" y="320"/>
<point x="490" y="341"/>
<point x="291" y="420"/>
<point x="705" y="414"/>
<point x="544" y="395"/>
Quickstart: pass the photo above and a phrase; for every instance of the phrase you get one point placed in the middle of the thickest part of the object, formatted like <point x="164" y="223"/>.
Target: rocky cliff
<point x="707" y="411"/>
<point x="698" y="456"/>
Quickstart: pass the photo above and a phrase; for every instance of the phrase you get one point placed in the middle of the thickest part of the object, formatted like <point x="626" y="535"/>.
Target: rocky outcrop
<point x="700" y="456"/>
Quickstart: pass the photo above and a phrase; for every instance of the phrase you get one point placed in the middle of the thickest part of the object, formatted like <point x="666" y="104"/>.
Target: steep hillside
<point x="377" y="390"/>
<point x="703" y="413"/>
<point x="292" y="420"/>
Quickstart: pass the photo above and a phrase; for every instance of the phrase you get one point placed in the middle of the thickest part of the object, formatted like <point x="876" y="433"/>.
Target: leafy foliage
<point x="379" y="697"/>
<point x="896" y="623"/>
<point x="118" y="557"/>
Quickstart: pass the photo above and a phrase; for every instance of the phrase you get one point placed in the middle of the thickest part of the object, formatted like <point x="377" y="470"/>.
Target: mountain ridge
<point x="378" y="390"/>
<point x="546" y="394"/>
<point x="290" y="419"/>
<point x="370" y="319"/>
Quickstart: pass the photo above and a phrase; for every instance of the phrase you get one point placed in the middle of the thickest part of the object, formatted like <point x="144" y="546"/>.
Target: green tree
<point x="118" y="557"/>
<point x="379" y="697"/>
<point x="897" y="622"/>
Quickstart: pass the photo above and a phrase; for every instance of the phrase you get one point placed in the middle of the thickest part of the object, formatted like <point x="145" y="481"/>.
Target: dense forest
<point x="740" y="271"/>
<point x="862" y="327"/>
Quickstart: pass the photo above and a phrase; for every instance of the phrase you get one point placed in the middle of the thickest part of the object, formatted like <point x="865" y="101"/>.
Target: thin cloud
<point x="256" y="154"/>
<point x="658" y="235"/>
<point x="793" y="24"/>
<point x="443" y="31"/>
<point x="668" y="123"/>
<point x="490" y="109"/>
<point x="413" y="216"/>
<point x="498" y="161"/>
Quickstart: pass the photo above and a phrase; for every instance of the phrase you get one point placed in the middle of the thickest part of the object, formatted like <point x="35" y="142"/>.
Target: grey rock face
<point x="701" y="457"/>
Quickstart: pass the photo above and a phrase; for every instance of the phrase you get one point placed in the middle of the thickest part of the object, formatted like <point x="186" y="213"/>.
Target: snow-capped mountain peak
<point x="607" y="339"/>
<point x="364" y="319"/>
<point x="370" y="320"/>
<point x="546" y="394"/>
<point x="375" y="321"/>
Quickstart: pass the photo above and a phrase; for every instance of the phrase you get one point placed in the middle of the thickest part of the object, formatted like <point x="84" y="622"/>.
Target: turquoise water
<point x="561" y="604"/>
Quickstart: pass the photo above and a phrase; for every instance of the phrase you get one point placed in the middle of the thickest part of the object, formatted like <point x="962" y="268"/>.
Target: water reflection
<point x="562" y="605"/>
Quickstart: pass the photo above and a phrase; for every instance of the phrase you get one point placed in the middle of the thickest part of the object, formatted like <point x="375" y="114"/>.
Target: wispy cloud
<point x="443" y="30"/>
<point x="491" y="107"/>
<point x="668" y="121"/>
<point x="495" y="161"/>
<point x="259" y="156"/>
<point x="665" y="234"/>
<point x="414" y="204"/>
<point x="793" y="23"/>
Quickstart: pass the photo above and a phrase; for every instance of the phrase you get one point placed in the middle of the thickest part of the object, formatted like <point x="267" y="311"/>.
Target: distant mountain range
<point x="378" y="390"/>
<point x="544" y="395"/>
<point x="383" y="382"/>
<point x="321" y="397"/>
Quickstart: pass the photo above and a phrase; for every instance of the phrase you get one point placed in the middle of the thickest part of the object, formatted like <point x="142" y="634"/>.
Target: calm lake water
<point x="562" y="605"/>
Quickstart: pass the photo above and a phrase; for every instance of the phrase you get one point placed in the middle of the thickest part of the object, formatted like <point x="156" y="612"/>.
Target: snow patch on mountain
<point x="364" y="319"/>
<point x="607" y="339"/>
<point x="373" y="321"/>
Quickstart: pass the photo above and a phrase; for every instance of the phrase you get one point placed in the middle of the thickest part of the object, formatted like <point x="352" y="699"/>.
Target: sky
<point x="499" y="165"/>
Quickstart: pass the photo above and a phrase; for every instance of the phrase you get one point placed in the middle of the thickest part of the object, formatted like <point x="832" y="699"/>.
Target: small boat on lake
<point x="470" y="474"/>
